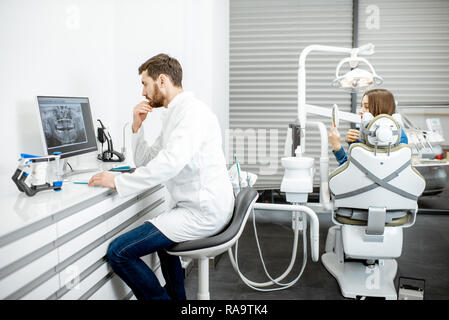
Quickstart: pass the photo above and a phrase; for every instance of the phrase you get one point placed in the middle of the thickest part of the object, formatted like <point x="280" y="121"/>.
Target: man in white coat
<point x="188" y="159"/>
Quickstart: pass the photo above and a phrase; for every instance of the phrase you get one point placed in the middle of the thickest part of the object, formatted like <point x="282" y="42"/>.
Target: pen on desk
<point x="80" y="182"/>
<point x="122" y="168"/>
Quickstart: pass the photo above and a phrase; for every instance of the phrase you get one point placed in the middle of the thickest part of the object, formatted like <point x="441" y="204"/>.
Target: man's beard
<point x="158" y="98"/>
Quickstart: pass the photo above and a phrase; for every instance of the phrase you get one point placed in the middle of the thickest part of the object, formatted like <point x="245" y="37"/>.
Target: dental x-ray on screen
<point x="63" y="124"/>
<point x="66" y="125"/>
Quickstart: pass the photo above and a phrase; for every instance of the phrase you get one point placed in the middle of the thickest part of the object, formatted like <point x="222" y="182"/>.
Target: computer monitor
<point x="67" y="125"/>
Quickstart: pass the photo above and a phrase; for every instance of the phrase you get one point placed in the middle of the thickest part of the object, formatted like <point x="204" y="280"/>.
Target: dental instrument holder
<point x="34" y="169"/>
<point x="108" y="155"/>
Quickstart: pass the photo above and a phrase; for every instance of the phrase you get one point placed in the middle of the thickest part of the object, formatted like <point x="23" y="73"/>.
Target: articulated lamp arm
<point x="367" y="49"/>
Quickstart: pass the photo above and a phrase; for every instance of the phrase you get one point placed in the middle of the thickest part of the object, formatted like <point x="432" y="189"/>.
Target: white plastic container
<point x="297" y="182"/>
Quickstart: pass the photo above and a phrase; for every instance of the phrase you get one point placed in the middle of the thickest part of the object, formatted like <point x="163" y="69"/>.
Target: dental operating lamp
<point x="357" y="79"/>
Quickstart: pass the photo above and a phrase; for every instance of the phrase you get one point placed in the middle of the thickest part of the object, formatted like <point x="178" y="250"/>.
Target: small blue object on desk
<point x="57" y="185"/>
<point x="27" y="156"/>
<point x="80" y="182"/>
<point x="123" y="169"/>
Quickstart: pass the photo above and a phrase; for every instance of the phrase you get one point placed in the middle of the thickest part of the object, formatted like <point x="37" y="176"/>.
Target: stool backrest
<point x="245" y="198"/>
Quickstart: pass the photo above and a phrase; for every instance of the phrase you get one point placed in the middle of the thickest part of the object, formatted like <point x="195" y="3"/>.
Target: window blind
<point x="266" y="39"/>
<point x="412" y="48"/>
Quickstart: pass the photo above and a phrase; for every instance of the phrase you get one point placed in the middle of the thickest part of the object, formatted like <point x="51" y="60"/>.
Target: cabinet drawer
<point x="83" y="264"/>
<point x="126" y="214"/>
<point x="78" y="289"/>
<point x="113" y="289"/>
<point x="22" y="277"/>
<point x="23" y="247"/>
<point x="84" y="239"/>
<point x="82" y="217"/>
<point x="80" y="266"/>
<point x="97" y="232"/>
<point x="43" y="291"/>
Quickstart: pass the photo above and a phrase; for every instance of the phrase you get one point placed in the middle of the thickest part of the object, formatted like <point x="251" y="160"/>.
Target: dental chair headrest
<point x="382" y="131"/>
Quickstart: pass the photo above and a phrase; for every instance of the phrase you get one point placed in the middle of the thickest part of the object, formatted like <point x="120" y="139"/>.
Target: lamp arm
<point x="366" y="50"/>
<point x="302" y="114"/>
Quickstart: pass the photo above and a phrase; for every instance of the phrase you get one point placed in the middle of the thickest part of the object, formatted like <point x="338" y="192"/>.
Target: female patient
<point x="376" y="101"/>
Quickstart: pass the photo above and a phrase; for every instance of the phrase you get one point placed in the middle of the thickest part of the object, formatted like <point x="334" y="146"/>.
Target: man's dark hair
<point x="163" y="64"/>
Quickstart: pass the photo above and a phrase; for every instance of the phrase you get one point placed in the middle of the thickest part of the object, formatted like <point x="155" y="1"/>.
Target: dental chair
<point x="374" y="197"/>
<point x="204" y="249"/>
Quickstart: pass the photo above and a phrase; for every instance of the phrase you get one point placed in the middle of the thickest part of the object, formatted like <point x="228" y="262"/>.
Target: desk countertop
<point x="19" y="210"/>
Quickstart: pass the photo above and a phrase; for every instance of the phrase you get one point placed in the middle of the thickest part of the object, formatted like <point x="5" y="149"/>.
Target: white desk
<point x="53" y="245"/>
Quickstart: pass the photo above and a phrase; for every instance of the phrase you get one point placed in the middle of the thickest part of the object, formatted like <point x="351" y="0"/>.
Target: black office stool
<point x="204" y="249"/>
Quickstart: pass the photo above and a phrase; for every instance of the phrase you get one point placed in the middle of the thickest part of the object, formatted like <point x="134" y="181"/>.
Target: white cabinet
<point x="96" y="278"/>
<point x="63" y="256"/>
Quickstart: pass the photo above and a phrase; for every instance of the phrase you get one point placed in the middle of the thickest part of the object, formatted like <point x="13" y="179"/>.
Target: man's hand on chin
<point x="104" y="179"/>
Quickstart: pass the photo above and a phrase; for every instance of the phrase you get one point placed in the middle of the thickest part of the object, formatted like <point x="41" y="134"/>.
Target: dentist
<point x="187" y="158"/>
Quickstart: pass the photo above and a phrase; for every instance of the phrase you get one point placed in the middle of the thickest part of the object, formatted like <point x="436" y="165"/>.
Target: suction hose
<point x="314" y="236"/>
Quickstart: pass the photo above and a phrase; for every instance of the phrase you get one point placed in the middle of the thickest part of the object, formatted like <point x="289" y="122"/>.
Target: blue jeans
<point x="124" y="257"/>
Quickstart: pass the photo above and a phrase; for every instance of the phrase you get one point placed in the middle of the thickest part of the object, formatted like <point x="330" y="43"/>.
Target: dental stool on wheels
<point x="374" y="197"/>
<point x="204" y="249"/>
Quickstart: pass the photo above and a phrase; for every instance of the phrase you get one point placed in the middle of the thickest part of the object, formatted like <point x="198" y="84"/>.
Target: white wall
<point x="94" y="48"/>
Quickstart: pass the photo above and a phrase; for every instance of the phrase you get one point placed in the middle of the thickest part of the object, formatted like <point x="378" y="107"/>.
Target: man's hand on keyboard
<point x="104" y="179"/>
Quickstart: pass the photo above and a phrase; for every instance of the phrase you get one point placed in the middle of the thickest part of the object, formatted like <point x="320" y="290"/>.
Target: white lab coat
<point x="187" y="157"/>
